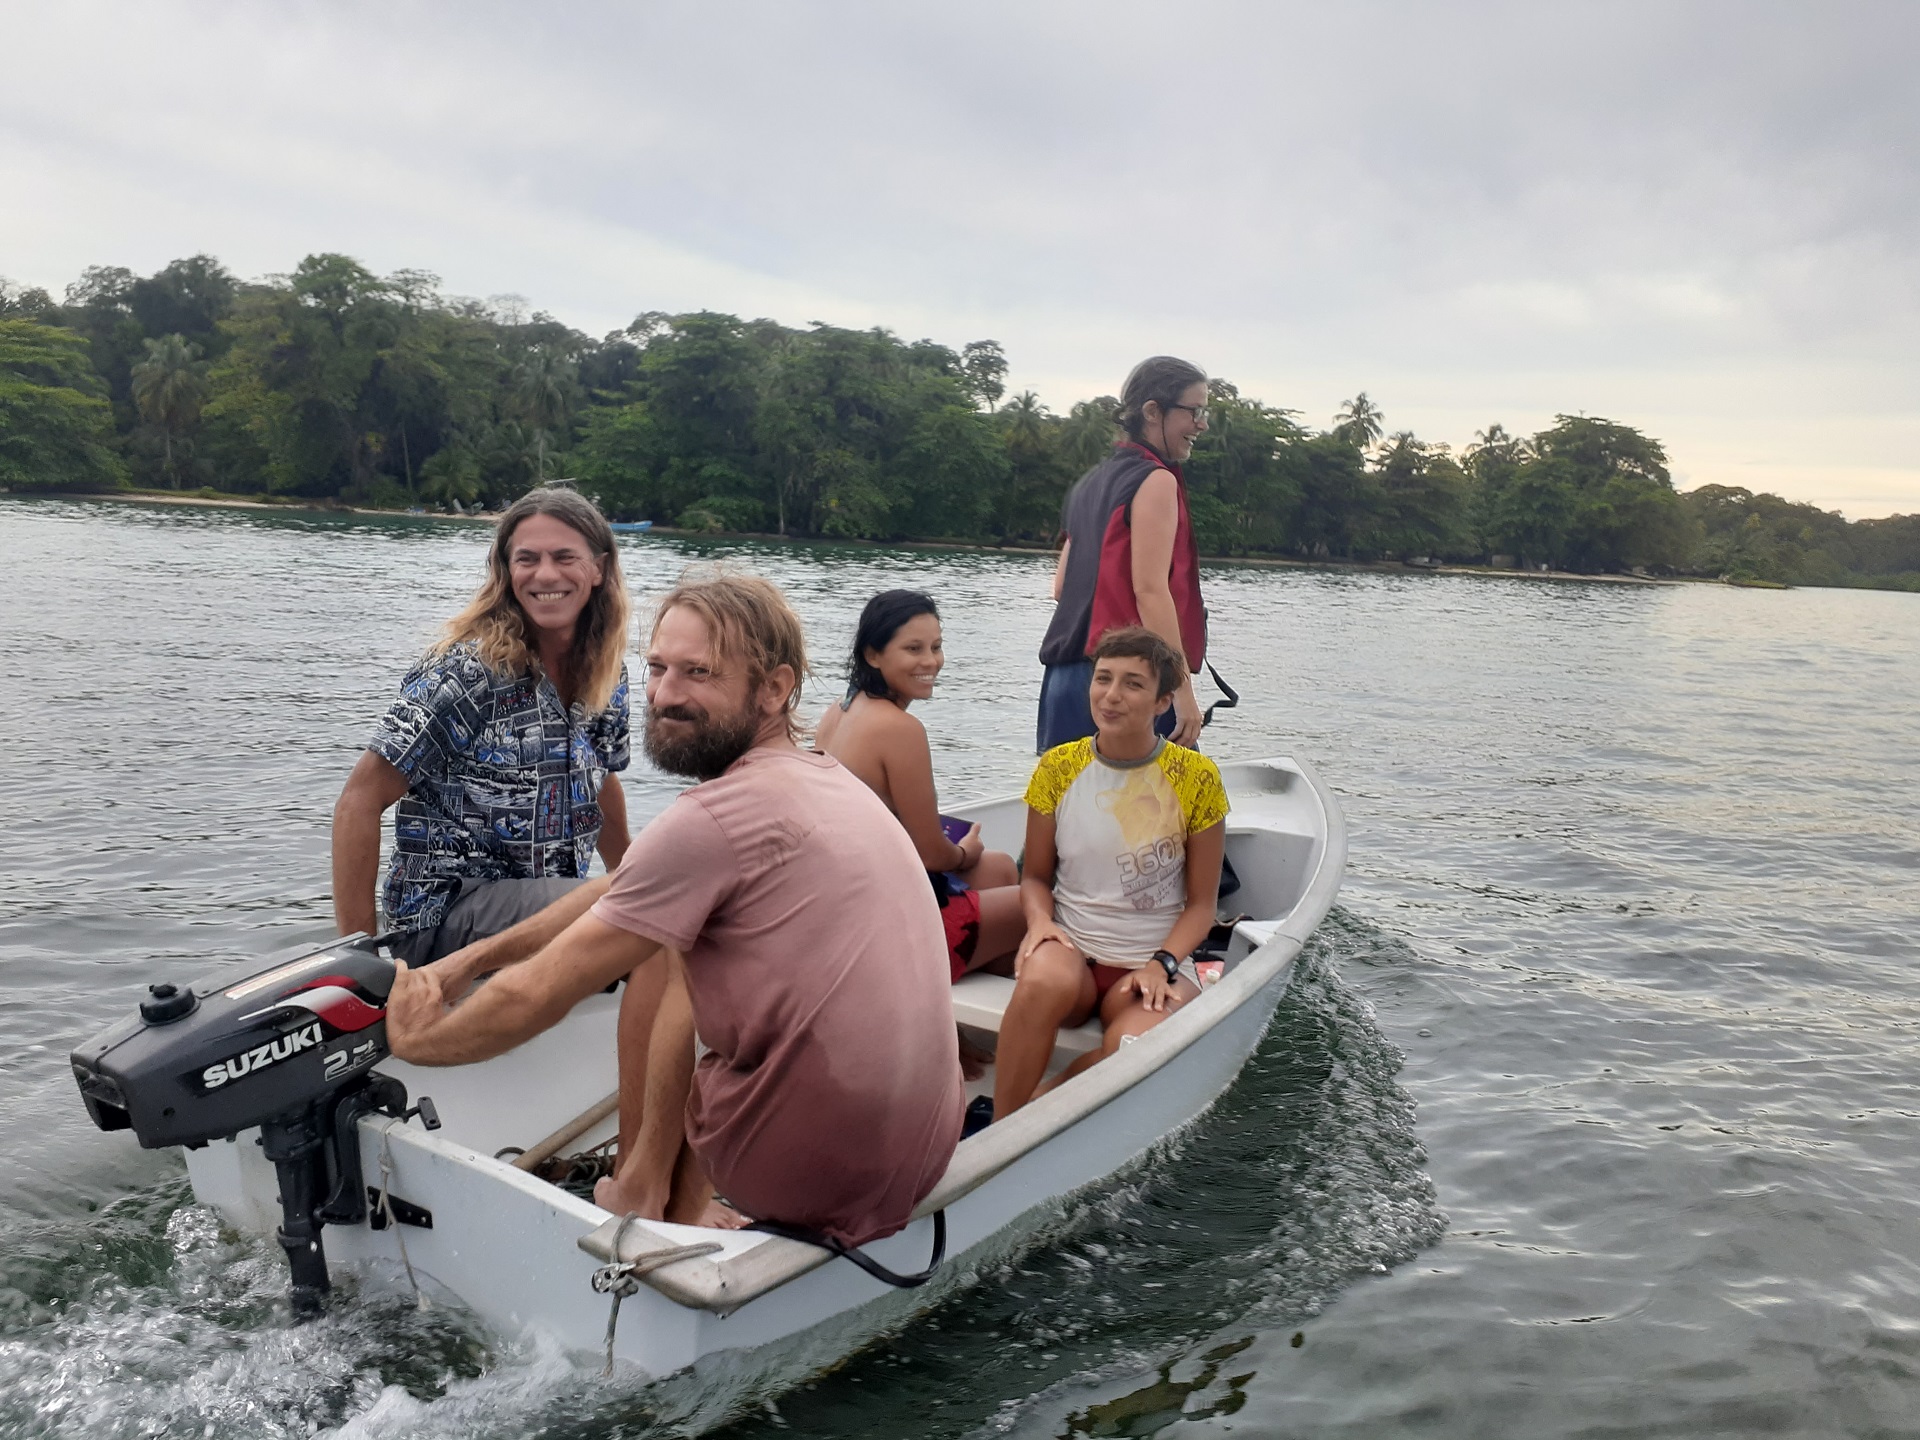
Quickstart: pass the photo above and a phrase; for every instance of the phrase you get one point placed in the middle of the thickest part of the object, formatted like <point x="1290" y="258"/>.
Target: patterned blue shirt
<point x="503" y="783"/>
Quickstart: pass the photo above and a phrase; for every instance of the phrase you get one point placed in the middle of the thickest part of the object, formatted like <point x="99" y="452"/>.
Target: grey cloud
<point x="1541" y="206"/>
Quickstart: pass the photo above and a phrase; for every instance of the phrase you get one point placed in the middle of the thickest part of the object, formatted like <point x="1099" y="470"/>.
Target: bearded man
<point x="777" y="898"/>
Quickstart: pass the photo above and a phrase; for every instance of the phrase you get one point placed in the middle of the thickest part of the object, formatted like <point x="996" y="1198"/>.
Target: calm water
<point x="1592" y="1111"/>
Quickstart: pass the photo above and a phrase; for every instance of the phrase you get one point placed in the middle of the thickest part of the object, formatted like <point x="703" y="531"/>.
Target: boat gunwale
<point x="724" y="1286"/>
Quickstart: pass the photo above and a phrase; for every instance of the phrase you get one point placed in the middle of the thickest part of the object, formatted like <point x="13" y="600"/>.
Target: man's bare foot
<point x="973" y="1060"/>
<point x="621" y="1198"/>
<point x="718" y="1215"/>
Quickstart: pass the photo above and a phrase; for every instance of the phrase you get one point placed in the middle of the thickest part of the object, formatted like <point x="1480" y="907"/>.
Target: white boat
<point x="522" y="1254"/>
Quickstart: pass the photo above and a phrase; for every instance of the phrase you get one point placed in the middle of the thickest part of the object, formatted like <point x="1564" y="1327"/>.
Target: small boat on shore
<point x="447" y="1207"/>
<point x="630" y="527"/>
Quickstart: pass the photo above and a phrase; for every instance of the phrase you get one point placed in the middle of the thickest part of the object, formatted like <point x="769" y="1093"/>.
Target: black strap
<point x="1233" y="696"/>
<point x="808" y="1235"/>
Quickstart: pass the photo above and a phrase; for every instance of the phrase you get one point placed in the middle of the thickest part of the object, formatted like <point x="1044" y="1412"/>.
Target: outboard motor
<point x="289" y="1048"/>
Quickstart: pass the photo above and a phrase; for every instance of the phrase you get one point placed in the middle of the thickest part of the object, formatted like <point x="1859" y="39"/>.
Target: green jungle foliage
<point x="334" y="384"/>
<point x="56" y="429"/>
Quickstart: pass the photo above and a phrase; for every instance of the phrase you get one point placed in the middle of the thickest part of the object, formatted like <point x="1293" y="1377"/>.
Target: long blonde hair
<point x="495" y="625"/>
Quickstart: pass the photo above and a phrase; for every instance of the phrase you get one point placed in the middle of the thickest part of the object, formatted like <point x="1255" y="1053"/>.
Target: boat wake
<point x="150" y="1321"/>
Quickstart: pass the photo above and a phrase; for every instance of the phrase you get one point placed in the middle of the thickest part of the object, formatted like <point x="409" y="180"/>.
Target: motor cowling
<point x="230" y="1052"/>
<point x="289" y="1048"/>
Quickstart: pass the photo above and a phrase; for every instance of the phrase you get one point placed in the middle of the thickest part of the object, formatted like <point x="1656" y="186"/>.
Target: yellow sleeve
<point x="1196" y="780"/>
<point x="1055" y="774"/>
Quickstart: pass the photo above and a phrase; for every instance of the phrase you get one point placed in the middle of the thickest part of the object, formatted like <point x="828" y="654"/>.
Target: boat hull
<point x="515" y="1260"/>
<point x="516" y="1250"/>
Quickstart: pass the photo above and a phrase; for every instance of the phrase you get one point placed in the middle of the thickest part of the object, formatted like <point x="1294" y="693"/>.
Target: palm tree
<point x="1089" y="432"/>
<point x="1494" y="450"/>
<point x="169" y="386"/>
<point x="1025" y="417"/>
<point x="1359" y="422"/>
<point x="1403" y="444"/>
<point x="543" y="384"/>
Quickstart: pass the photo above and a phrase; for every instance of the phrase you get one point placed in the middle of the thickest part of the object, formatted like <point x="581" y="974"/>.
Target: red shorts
<point x="1105" y="977"/>
<point x="961" y="917"/>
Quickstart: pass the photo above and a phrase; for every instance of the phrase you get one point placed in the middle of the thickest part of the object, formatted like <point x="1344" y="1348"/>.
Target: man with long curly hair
<point x="501" y="751"/>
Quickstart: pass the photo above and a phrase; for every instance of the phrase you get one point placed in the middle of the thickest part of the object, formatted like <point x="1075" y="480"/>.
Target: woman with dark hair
<point x="897" y="656"/>
<point x="1128" y="555"/>
<point x="502" y="748"/>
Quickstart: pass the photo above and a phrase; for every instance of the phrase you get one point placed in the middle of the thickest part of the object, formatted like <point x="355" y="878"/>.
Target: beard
<point x="709" y="749"/>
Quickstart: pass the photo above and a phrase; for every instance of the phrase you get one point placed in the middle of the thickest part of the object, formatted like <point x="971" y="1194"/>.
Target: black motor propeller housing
<point x="289" y="1048"/>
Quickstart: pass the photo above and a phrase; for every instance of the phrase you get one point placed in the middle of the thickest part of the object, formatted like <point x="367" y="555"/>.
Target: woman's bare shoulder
<point x="886" y="727"/>
<point x="905" y="726"/>
<point x="869" y="724"/>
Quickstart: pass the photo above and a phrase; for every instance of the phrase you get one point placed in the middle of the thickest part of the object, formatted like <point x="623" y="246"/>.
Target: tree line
<point x="333" y="384"/>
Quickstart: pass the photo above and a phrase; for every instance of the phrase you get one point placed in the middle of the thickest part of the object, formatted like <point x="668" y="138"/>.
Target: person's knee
<point x="995" y="871"/>
<point x="1134" y="1020"/>
<point x="1051" y="978"/>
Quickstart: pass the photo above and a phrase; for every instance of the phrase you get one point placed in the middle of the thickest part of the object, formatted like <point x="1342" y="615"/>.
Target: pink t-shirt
<point x="831" y="1095"/>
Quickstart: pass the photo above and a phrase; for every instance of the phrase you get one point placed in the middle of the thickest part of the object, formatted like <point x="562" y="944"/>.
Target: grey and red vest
<point x="1096" y="593"/>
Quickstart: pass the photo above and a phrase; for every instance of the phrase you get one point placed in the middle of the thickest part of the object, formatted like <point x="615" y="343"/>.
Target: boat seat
<point x="980" y="1000"/>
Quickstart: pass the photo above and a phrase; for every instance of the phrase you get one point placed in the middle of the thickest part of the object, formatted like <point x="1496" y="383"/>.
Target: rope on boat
<point x="386" y="1208"/>
<point x="808" y="1235"/>
<point x="621" y="1278"/>
<point x="1233" y="696"/>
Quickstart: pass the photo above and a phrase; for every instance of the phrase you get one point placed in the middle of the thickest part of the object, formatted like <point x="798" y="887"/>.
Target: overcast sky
<point x="1698" y="219"/>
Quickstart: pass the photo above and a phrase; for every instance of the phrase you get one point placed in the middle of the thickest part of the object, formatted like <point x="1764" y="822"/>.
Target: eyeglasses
<point x="1199" y="412"/>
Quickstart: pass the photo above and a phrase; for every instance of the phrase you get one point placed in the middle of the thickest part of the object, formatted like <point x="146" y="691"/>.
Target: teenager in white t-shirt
<point x="1125" y="833"/>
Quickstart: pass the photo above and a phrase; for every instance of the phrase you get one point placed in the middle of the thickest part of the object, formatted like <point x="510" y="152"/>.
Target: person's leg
<point x="694" y="1202"/>
<point x="1003" y="923"/>
<point x="416" y="947"/>
<point x="654" y="1083"/>
<point x="1054" y="989"/>
<point x="1066" y="707"/>
<point x="960" y="922"/>
<point x="1122" y="1014"/>
<point x="639" y="1009"/>
<point x="994" y="869"/>
<point x="489" y="907"/>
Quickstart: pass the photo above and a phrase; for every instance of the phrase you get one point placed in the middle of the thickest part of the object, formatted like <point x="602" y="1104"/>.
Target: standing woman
<point x="501" y="749"/>
<point x="1128" y="557"/>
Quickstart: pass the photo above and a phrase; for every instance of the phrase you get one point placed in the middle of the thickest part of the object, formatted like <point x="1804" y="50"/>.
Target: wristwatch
<point x="1166" y="961"/>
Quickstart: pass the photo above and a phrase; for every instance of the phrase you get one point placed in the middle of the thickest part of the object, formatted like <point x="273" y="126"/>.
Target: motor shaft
<point x="295" y="1144"/>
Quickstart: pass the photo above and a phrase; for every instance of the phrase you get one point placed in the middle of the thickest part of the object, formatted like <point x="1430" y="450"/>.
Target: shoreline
<point x="1276" y="562"/>
<point x="222" y="502"/>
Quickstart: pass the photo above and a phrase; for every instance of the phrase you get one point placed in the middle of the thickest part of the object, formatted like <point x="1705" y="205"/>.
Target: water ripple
<point x="1591" y="1112"/>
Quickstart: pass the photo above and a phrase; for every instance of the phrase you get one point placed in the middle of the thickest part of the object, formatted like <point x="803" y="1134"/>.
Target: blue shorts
<point x="1066" y="709"/>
